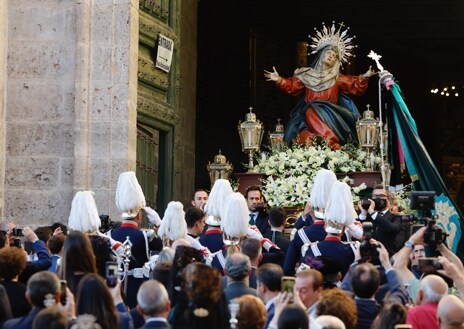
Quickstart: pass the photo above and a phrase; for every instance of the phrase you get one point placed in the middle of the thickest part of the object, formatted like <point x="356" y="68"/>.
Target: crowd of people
<point x="225" y="262"/>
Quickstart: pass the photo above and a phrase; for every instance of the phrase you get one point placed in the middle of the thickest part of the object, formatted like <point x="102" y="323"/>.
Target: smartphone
<point x="288" y="283"/>
<point x="16" y="243"/>
<point x="428" y="264"/>
<point x="63" y="285"/>
<point x="111" y="274"/>
<point x="17" y="231"/>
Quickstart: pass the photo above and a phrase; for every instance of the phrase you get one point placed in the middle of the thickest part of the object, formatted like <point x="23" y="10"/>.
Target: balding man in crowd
<point x="450" y="312"/>
<point x="424" y="315"/>
<point x="238" y="269"/>
<point x="153" y="303"/>
<point x="308" y="285"/>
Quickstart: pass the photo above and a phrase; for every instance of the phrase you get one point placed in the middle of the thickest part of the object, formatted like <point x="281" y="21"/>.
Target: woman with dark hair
<point x="324" y="108"/>
<point x="204" y="305"/>
<point x="389" y="316"/>
<point x="183" y="256"/>
<point x="94" y="297"/>
<point x="78" y="259"/>
<point x="5" y="308"/>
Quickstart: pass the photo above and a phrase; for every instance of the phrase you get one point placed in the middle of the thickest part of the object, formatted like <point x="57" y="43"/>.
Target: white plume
<point x="235" y="215"/>
<point x="173" y="225"/>
<point x="216" y="200"/>
<point x="320" y="191"/>
<point x="129" y="195"/>
<point x="340" y="209"/>
<point x="84" y="214"/>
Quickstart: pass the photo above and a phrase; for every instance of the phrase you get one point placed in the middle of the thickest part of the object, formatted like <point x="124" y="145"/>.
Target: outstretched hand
<point x="272" y="76"/>
<point x="369" y="72"/>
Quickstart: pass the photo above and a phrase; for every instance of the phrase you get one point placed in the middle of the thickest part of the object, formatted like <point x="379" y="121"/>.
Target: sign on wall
<point x="164" y="55"/>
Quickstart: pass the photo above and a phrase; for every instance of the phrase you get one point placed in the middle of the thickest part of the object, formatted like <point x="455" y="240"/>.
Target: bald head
<point x="152" y="299"/>
<point x="328" y="321"/>
<point x="450" y="312"/>
<point x="237" y="266"/>
<point x="432" y="288"/>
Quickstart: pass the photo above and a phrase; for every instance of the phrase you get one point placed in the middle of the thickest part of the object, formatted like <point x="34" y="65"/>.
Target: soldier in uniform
<point x="320" y="191"/>
<point x="130" y="200"/>
<point x="212" y="238"/>
<point x="339" y="213"/>
<point x="323" y="183"/>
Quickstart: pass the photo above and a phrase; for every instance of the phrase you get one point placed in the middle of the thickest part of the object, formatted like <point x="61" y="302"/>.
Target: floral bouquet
<point x="290" y="173"/>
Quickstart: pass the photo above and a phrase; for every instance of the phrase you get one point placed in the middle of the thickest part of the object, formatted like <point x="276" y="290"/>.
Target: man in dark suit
<point x="258" y="215"/>
<point x="365" y="281"/>
<point x="269" y="278"/>
<point x="277" y="221"/>
<point x="387" y="226"/>
<point x="154" y="305"/>
<point x="238" y="269"/>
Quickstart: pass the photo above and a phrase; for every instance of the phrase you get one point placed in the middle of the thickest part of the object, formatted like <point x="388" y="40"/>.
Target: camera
<point x="433" y="234"/>
<point x="425" y="202"/>
<point x="107" y="224"/>
<point x="367" y="249"/>
<point x="380" y="204"/>
<point x="16" y="243"/>
<point x="365" y="204"/>
<point x="17" y="231"/>
<point x="63" y="285"/>
<point x="428" y="264"/>
<point x="111" y="274"/>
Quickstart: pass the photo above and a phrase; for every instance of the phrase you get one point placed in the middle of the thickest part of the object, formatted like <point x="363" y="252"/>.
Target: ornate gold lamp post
<point x="368" y="135"/>
<point x="219" y="169"/>
<point x="277" y="137"/>
<point x="251" y="134"/>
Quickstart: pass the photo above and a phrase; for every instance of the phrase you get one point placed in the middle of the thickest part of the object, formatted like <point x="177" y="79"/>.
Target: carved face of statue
<point x="329" y="58"/>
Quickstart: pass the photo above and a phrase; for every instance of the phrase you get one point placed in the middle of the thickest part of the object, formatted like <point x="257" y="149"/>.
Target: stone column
<point x="3" y="75"/>
<point x="71" y="104"/>
<point x="106" y="96"/>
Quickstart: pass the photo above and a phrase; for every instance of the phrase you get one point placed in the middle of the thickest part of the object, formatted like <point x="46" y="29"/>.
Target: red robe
<point x="348" y="84"/>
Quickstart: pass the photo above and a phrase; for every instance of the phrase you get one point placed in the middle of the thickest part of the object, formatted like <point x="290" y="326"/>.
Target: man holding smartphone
<point x="43" y="261"/>
<point x="308" y="285"/>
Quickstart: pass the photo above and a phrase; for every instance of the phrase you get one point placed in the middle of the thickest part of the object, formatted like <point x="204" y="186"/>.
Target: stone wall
<point x="3" y="52"/>
<point x="70" y="119"/>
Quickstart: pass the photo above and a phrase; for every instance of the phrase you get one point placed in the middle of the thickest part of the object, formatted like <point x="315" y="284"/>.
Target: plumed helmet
<point x="322" y="185"/>
<point x="84" y="214"/>
<point x="339" y="211"/>
<point x="173" y="226"/>
<point x="129" y="195"/>
<point x="235" y="218"/>
<point x="216" y="200"/>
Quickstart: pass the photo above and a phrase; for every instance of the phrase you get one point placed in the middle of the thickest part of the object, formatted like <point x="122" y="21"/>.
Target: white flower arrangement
<point x="290" y="173"/>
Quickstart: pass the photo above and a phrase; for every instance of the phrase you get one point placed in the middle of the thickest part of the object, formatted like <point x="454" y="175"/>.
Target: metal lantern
<point x="368" y="135"/>
<point x="219" y="169"/>
<point x="277" y="137"/>
<point x="251" y="134"/>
